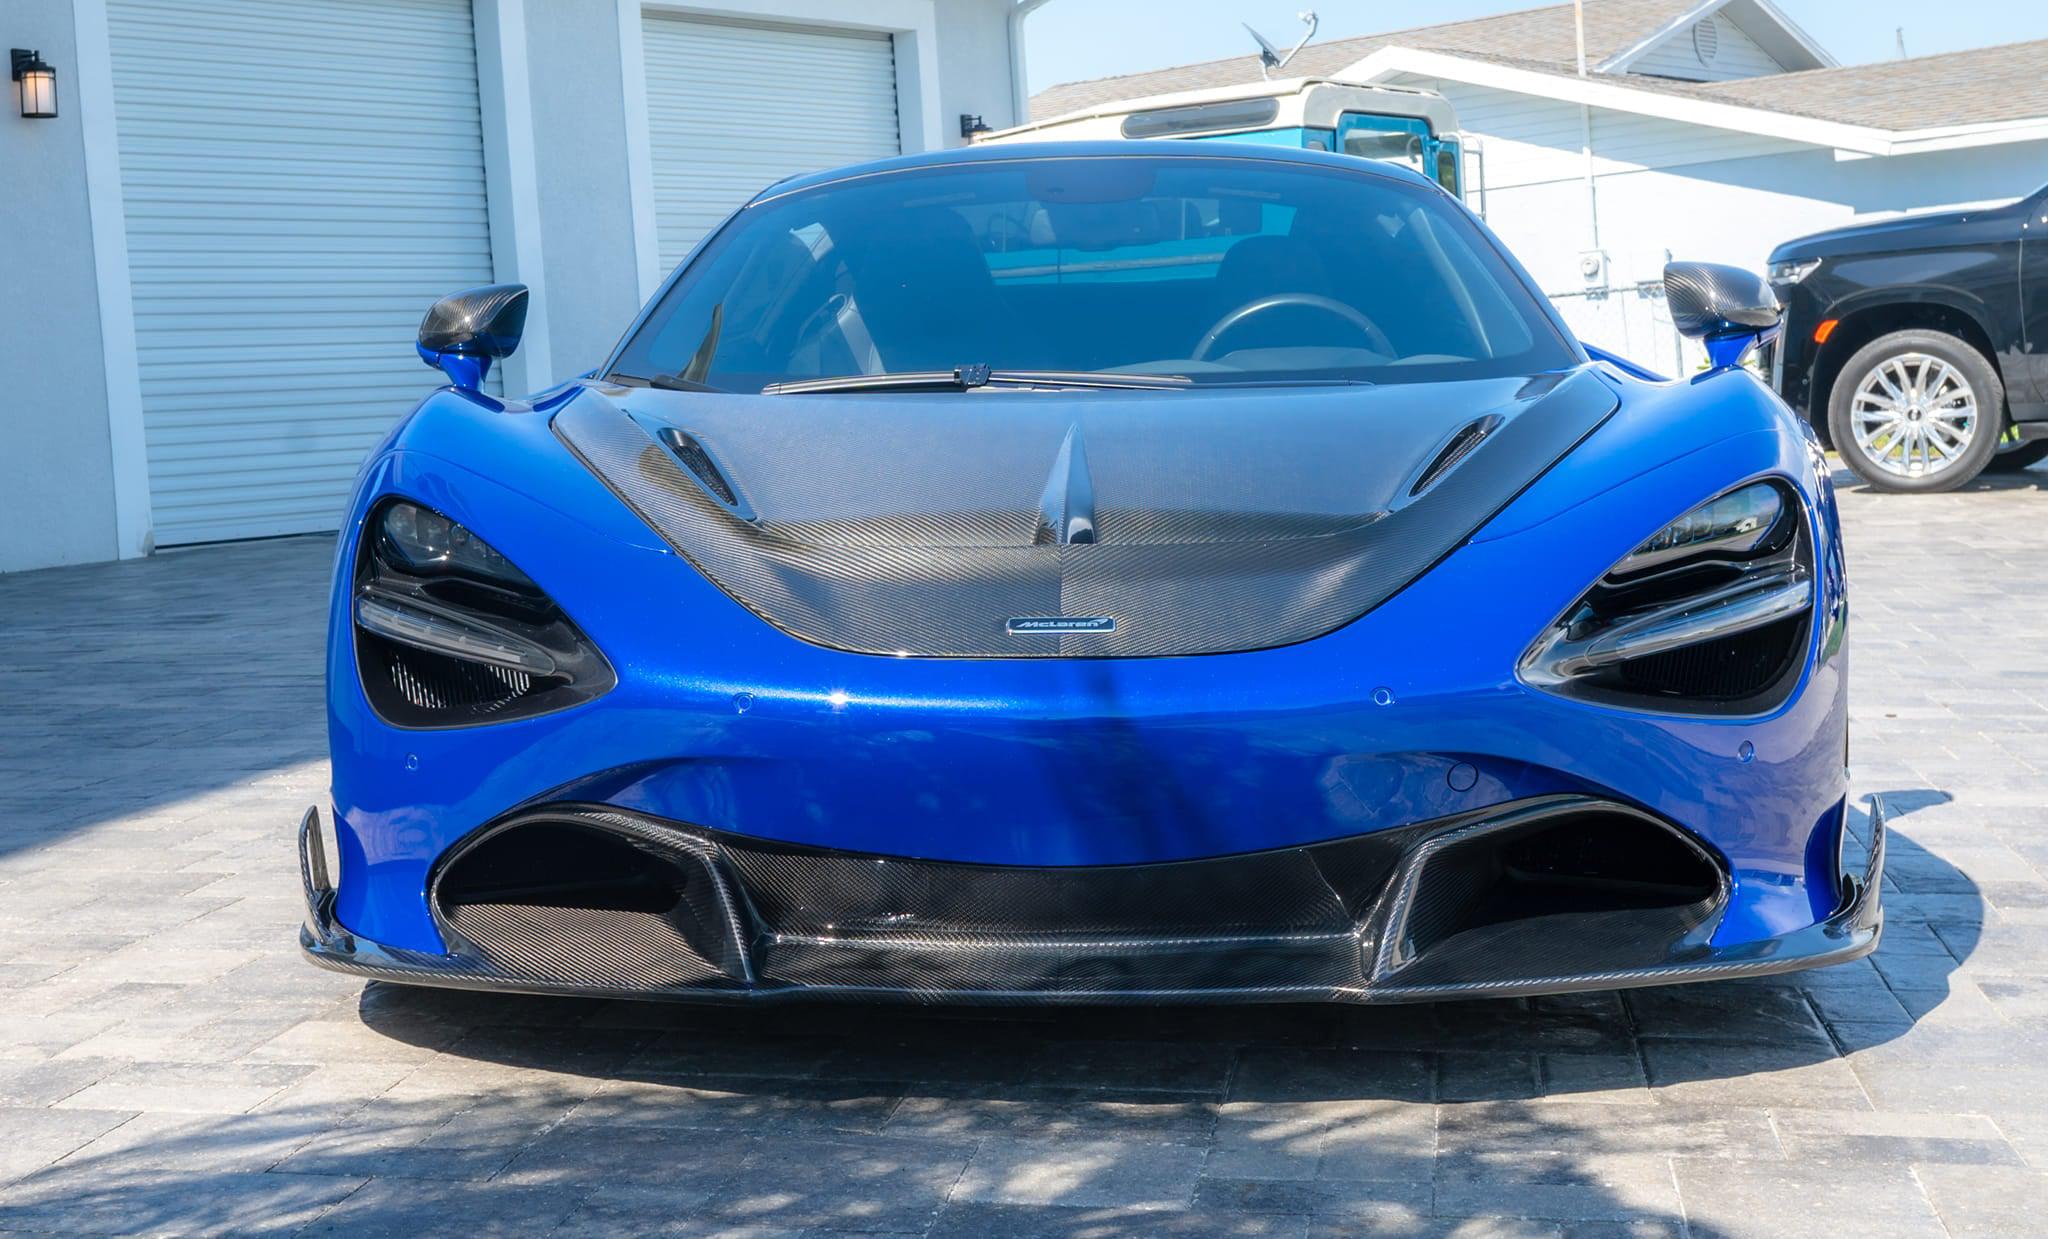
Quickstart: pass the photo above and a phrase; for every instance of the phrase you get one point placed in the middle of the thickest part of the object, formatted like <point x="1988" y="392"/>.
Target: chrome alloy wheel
<point x="1914" y="415"/>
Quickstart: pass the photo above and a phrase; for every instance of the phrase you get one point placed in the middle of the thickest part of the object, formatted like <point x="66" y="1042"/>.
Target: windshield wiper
<point x="680" y="382"/>
<point x="666" y="382"/>
<point x="967" y="378"/>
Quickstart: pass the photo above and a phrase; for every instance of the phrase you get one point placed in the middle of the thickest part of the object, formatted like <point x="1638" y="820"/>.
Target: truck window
<point x="1405" y="140"/>
<point x="1389" y="139"/>
<point x="1201" y="117"/>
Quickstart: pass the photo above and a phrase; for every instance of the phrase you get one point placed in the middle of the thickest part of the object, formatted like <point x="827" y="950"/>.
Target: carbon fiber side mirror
<point x="464" y="332"/>
<point x="1729" y="309"/>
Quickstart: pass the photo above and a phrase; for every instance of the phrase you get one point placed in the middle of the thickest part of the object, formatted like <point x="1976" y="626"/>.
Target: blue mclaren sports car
<point x="1127" y="572"/>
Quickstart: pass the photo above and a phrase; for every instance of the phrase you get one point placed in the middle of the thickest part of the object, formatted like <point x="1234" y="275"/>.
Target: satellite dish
<point x="1270" y="57"/>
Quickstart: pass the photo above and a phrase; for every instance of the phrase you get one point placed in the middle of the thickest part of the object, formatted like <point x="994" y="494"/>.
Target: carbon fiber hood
<point x="1045" y="524"/>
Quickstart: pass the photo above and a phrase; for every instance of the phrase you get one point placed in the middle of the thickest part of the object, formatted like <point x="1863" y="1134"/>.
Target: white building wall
<point x="1737" y="211"/>
<point x="974" y="64"/>
<point x="589" y="262"/>
<point x="1663" y="187"/>
<point x="56" y="471"/>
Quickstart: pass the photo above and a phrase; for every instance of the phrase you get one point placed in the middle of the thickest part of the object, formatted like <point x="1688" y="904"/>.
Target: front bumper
<point x="1345" y="920"/>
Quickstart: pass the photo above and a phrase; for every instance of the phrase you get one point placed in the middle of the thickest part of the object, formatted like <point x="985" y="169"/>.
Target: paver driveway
<point x="167" y="1063"/>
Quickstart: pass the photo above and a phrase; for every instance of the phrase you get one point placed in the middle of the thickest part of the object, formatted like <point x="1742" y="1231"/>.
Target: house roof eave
<point x="1607" y="92"/>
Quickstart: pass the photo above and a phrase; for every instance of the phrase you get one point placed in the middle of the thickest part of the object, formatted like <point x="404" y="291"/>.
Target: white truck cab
<point x="1396" y="124"/>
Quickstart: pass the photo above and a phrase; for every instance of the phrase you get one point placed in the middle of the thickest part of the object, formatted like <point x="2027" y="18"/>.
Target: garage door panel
<point x="365" y="29"/>
<point x="829" y="97"/>
<point x="367" y="139"/>
<point x="172" y="168"/>
<point x="279" y="216"/>
<point x="312" y="93"/>
<point x="300" y="181"/>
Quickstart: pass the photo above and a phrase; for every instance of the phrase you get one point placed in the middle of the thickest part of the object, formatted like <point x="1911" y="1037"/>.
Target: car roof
<point x="1128" y="148"/>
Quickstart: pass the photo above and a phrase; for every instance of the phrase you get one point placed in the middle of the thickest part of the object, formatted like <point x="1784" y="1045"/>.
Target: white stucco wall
<point x="974" y="64"/>
<point x="580" y="139"/>
<point x="56" y="473"/>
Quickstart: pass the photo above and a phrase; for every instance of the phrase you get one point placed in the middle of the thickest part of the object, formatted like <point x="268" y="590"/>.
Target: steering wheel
<point x="1328" y="305"/>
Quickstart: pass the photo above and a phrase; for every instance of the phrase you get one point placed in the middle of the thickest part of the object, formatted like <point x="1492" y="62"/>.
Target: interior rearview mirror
<point x="1729" y="309"/>
<point x="463" y="333"/>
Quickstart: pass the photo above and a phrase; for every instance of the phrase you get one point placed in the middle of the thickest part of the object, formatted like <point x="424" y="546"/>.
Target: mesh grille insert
<point x="430" y="681"/>
<point x="1724" y="670"/>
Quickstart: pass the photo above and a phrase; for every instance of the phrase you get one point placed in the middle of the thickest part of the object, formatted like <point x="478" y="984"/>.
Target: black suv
<point x="1919" y="346"/>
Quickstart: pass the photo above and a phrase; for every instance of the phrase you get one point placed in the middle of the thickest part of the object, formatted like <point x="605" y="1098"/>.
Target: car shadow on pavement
<point x="1536" y="1114"/>
<point x="1664" y="1111"/>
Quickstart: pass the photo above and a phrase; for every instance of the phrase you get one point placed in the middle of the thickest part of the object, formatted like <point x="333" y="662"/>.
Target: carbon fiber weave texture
<point x="1211" y="539"/>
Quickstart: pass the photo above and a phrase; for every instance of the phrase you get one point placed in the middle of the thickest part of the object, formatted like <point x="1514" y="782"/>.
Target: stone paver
<point x="168" y="1065"/>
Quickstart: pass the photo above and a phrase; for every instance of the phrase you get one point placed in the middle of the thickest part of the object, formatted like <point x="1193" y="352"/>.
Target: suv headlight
<point x="1707" y="615"/>
<point x="450" y="633"/>
<point x="1792" y="272"/>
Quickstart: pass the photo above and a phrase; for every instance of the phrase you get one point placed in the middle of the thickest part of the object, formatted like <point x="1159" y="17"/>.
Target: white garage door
<point x="732" y="108"/>
<point x="301" y="181"/>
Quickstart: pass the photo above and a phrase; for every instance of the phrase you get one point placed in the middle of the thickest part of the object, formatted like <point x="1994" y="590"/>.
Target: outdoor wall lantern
<point x="38" y="84"/>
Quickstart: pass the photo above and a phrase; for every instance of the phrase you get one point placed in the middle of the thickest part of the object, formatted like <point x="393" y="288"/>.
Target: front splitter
<point x="1851" y="932"/>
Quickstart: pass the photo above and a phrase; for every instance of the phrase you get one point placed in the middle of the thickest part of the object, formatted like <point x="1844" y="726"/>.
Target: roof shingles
<point x="1986" y="84"/>
<point x="1543" y="34"/>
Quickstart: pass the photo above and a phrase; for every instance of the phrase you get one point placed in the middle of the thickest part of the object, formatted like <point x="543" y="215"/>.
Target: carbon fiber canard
<point x="1176" y="523"/>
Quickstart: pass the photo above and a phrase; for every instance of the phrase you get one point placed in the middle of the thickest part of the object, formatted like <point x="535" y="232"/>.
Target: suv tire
<point x="1917" y="411"/>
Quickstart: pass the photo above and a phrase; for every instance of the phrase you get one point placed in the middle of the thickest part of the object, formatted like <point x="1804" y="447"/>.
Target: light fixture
<point x="38" y="84"/>
<point x="972" y="126"/>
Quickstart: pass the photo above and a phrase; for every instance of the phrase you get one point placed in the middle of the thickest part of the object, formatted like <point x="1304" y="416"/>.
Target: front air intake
<point x="1552" y="892"/>
<point x="1548" y="894"/>
<point x="593" y="904"/>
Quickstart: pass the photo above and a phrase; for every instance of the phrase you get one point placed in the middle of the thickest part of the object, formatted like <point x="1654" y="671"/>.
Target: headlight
<point x="450" y="633"/>
<point x="1706" y="616"/>
<point x="1792" y="272"/>
<point x="430" y="544"/>
<point x="1736" y="523"/>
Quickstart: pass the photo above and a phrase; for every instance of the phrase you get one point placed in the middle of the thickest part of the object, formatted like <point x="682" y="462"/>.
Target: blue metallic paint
<point x="723" y="720"/>
<point x="1726" y="351"/>
<point x="465" y="370"/>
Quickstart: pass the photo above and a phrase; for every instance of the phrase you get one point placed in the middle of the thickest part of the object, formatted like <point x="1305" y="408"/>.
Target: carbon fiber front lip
<point x="1853" y="931"/>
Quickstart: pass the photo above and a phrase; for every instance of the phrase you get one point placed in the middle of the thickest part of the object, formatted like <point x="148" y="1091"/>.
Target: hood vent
<point x="1456" y="449"/>
<point x="699" y="462"/>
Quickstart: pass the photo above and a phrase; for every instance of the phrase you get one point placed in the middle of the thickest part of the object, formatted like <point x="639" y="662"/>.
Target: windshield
<point x="1222" y="270"/>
